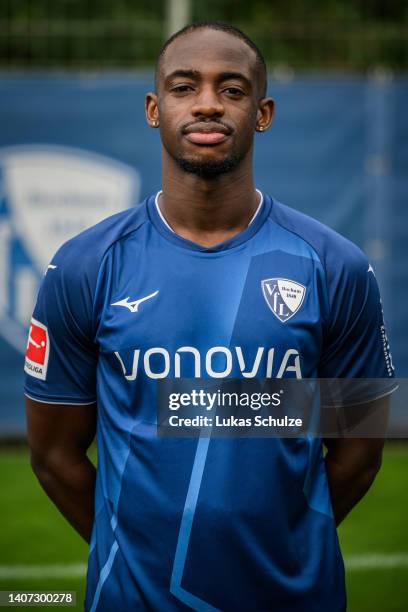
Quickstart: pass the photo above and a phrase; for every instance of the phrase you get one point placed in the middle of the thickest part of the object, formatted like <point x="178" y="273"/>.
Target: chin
<point x="208" y="167"/>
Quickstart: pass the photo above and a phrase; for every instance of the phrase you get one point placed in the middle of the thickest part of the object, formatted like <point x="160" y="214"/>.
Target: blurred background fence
<point x="74" y="146"/>
<point x="318" y="34"/>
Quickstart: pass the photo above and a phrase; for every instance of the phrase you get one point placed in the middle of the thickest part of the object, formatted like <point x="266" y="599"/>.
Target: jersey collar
<point x="167" y="232"/>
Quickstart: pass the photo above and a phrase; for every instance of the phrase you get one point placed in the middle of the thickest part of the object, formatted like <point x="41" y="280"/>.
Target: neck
<point x="208" y="211"/>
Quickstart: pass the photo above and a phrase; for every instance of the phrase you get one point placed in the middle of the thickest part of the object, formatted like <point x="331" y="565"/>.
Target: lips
<point x="207" y="133"/>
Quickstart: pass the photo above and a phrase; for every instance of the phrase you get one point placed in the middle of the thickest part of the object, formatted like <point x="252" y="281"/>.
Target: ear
<point x="264" y="114"/>
<point x="152" y="109"/>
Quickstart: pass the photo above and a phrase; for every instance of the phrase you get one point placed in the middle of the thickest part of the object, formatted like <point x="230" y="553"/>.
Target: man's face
<point x="207" y="101"/>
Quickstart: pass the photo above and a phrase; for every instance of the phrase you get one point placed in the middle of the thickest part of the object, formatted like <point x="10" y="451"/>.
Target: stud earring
<point x="155" y="124"/>
<point x="260" y="128"/>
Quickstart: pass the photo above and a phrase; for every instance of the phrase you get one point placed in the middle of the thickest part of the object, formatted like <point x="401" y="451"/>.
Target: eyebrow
<point x="226" y="76"/>
<point x="196" y="76"/>
<point x="189" y="74"/>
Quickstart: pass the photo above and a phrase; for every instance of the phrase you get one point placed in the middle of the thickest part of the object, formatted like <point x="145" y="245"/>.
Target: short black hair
<point x="223" y="27"/>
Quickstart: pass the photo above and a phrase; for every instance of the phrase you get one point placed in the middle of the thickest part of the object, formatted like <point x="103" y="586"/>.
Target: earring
<point x="260" y="128"/>
<point x="155" y="124"/>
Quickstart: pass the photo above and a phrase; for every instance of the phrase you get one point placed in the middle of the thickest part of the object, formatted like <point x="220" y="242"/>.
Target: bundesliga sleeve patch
<point x="38" y="348"/>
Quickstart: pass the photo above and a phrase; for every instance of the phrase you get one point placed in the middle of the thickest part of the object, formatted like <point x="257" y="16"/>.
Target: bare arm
<point x="59" y="437"/>
<point x="353" y="463"/>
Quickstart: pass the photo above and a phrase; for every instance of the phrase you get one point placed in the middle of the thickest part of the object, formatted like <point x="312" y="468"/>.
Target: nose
<point x="207" y="104"/>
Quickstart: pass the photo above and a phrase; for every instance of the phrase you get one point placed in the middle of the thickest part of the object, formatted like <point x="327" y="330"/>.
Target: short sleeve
<point x="61" y="356"/>
<point x="356" y="340"/>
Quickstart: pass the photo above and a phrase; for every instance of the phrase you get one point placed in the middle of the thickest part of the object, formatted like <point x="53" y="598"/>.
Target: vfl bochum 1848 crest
<point x="283" y="296"/>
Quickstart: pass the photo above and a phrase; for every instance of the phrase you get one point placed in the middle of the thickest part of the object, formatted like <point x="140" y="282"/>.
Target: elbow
<point x="43" y="465"/>
<point x="369" y="461"/>
<point x="361" y="469"/>
<point x="49" y="472"/>
<point x="39" y="465"/>
<point x="370" y="471"/>
<point x="377" y="463"/>
<point x="374" y="461"/>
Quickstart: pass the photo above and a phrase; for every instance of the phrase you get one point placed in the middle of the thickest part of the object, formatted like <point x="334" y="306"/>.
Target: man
<point x="183" y="286"/>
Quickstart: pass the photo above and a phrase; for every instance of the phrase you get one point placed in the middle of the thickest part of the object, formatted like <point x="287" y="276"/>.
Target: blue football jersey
<point x="205" y="524"/>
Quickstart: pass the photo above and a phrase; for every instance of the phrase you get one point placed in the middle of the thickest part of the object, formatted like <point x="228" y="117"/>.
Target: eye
<point x="181" y="89"/>
<point x="235" y="92"/>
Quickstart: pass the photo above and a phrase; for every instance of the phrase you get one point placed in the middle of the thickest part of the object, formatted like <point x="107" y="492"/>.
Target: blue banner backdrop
<point x="74" y="149"/>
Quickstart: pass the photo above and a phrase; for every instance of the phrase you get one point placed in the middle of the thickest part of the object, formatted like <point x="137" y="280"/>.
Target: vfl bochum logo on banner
<point x="47" y="195"/>
<point x="283" y="296"/>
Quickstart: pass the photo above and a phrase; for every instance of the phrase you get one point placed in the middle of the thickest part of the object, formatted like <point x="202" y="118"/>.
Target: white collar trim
<point x="156" y="201"/>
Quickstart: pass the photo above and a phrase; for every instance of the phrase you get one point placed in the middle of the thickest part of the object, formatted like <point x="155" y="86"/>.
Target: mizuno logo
<point x="50" y="267"/>
<point x="134" y="306"/>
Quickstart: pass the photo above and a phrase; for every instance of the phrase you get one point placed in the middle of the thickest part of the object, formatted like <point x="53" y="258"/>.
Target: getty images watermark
<point x="213" y="401"/>
<point x="283" y="408"/>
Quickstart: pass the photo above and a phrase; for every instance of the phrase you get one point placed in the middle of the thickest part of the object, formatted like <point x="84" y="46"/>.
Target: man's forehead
<point x="208" y="49"/>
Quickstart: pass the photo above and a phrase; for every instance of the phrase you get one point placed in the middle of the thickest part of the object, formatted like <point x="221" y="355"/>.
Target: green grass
<point x="378" y="524"/>
<point x="34" y="533"/>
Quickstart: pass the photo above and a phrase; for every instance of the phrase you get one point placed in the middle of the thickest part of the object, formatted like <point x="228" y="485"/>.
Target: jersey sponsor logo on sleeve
<point x="37" y="352"/>
<point x="283" y="296"/>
